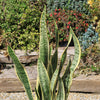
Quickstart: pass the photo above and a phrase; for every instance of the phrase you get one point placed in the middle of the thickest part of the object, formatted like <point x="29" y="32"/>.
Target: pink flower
<point x="80" y="14"/>
<point x="51" y="15"/>
<point x="86" y="24"/>
<point x="56" y="21"/>
<point x="55" y="9"/>
<point x="64" y="39"/>
<point x="69" y="22"/>
<point x="67" y="27"/>
<point x="59" y="9"/>
<point x="74" y="14"/>
<point x="55" y="13"/>
<point x="71" y="11"/>
<point x="76" y="27"/>
<point x="67" y="35"/>
<point x="59" y="19"/>
<point x="83" y="21"/>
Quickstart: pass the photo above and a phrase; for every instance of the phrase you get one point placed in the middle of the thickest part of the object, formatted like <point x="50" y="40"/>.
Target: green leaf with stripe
<point x="63" y="57"/>
<point x="44" y="81"/>
<point x="44" y="43"/>
<point x="75" y="62"/>
<point x="21" y="73"/>
<point x="61" y="91"/>
<point x="54" y="80"/>
<point x="54" y="60"/>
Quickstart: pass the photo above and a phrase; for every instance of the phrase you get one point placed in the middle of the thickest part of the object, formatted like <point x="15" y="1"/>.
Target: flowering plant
<point x="65" y="19"/>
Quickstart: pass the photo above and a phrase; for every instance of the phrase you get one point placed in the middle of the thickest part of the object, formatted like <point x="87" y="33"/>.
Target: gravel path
<point x="72" y="96"/>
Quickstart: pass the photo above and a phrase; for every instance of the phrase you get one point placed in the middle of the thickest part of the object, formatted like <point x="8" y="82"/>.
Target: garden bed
<point x="9" y="82"/>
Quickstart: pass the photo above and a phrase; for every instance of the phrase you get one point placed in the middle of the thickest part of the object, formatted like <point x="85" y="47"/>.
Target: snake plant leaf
<point x="50" y="52"/>
<point x="77" y="56"/>
<point x="44" y="81"/>
<point x="61" y="91"/>
<point x="54" y="60"/>
<point x="37" y="95"/>
<point x="63" y="57"/>
<point x="75" y="62"/>
<point x="38" y="89"/>
<point x="44" y="43"/>
<point x="67" y="70"/>
<point x="54" y="80"/>
<point x="21" y="73"/>
<point x="50" y="69"/>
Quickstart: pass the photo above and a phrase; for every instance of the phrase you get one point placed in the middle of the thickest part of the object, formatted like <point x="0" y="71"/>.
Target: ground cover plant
<point x="90" y="60"/>
<point x="48" y="72"/>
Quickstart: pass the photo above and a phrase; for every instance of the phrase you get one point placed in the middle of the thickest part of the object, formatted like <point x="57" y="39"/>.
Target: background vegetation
<point x="19" y="20"/>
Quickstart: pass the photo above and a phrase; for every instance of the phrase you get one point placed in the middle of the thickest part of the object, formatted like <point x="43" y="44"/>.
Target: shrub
<point x="88" y="38"/>
<point x="20" y="21"/>
<point x="65" y="19"/>
<point x="48" y="73"/>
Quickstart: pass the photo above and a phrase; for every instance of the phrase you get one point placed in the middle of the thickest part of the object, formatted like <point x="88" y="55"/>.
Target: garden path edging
<point x="14" y="85"/>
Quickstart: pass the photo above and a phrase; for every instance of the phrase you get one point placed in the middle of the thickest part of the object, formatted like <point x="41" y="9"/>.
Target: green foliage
<point x="47" y="82"/>
<point x="20" y="21"/>
<point x="65" y="19"/>
<point x="79" y="5"/>
<point x="95" y="7"/>
<point x="95" y="12"/>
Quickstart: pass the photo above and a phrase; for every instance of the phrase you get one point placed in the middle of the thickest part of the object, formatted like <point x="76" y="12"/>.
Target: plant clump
<point x="47" y="67"/>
